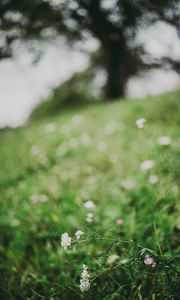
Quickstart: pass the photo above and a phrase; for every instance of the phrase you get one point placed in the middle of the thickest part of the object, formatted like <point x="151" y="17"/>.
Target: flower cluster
<point x="65" y="240"/>
<point x="78" y="234"/>
<point x="84" y="281"/>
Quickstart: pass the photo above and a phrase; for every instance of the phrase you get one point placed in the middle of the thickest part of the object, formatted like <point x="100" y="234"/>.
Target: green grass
<point x="46" y="177"/>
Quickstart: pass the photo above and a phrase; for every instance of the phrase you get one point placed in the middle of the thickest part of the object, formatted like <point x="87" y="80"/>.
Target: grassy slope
<point x="32" y="262"/>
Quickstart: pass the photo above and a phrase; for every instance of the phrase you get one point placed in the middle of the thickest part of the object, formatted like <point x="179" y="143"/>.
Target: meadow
<point x="92" y="169"/>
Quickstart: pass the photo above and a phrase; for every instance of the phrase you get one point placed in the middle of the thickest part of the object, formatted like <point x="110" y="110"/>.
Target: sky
<point x="23" y="84"/>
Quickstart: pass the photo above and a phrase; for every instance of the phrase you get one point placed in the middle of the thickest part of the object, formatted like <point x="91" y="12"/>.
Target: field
<point x="82" y="170"/>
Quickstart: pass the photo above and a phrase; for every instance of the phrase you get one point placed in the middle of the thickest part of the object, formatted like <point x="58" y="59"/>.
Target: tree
<point x="114" y="23"/>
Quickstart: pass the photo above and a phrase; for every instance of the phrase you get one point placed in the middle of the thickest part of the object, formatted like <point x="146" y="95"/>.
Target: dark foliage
<point x="115" y="26"/>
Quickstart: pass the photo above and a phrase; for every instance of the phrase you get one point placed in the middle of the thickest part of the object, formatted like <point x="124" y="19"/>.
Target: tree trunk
<point x="116" y="68"/>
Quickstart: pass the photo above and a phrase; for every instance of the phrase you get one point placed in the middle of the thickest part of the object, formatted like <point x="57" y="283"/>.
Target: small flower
<point x="49" y="128"/>
<point x="112" y="258"/>
<point x="65" y="240"/>
<point x="149" y="261"/>
<point x="35" y="150"/>
<point x="140" y="123"/>
<point x="119" y="222"/>
<point x="153" y="179"/>
<point x="127" y="184"/>
<point x="73" y="143"/>
<point x="89" y="217"/>
<point x="39" y="198"/>
<point x="78" y="234"/>
<point x="111" y="127"/>
<point x="147" y="165"/>
<point x="85" y="139"/>
<point x="77" y="119"/>
<point x="89" y="204"/>
<point x="164" y="141"/>
<point x="84" y="281"/>
<point x="102" y="147"/>
<point x="113" y="158"/>
<point x="66" y="129"/>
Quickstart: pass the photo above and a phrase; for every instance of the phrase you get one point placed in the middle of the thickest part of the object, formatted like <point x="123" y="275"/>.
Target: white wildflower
<point x="85" y="139"/>
<point x="42" y="159"/>
<point x="78" y="234"/>
<point x="35" y="150"/>
<point x="113" y="158"/>
<point x="73" y="143"/>
<point x="153" y="179"/>
<point x="147" y="165"/>
<point x="49" y="128"/>
<point x="65" y="129"/>
<point x="91" y="180"/>
<point x="140" y="123"/>
<point x="65" y="240"/>
<point x="84" y="281"/>
<point x="127" y="184"/>
<point x="77" y="119"/>
<point x="112" y="258"/>
<point x="39" y="198"/>
<point x="111" y="127"/>
<point x="89" y="204"/>
<point x="89" y="217"/>
<point x="164" y="140"/>
<point x="102" y="147"/>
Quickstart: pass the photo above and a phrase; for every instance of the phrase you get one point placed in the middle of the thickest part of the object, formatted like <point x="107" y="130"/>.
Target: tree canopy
<point x="115" y="24"/>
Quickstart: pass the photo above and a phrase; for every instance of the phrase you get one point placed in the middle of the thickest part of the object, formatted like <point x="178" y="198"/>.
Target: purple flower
<point x="149" y="261"/>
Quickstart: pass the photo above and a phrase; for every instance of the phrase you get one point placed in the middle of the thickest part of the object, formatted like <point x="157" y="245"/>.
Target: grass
<point x="51" y="167"/>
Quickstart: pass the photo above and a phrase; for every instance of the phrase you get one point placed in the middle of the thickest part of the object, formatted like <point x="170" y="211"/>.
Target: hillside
<point x="52" y="167"/>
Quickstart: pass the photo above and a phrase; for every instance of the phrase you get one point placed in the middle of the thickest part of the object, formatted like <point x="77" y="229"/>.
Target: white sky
<point x="23" y="84"/>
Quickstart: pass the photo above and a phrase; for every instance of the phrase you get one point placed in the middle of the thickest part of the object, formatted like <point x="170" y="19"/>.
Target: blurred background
<point x="89" y="142"/>
<point x="44" y="43"/>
